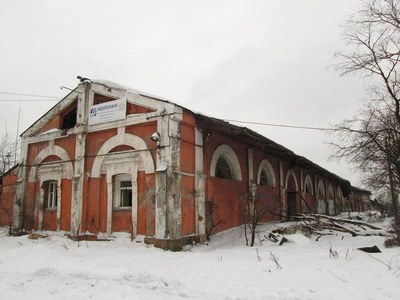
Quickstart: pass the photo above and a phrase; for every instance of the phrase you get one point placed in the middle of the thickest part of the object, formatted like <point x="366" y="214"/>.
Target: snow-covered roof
<point x="117" y="86"/>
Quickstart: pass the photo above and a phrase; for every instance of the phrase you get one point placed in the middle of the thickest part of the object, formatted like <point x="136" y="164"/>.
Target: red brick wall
<point x="7" y="193"/>
<point x="223" y="196"/>
<point x="187" y="164"/>
<point x="268" y="202"/>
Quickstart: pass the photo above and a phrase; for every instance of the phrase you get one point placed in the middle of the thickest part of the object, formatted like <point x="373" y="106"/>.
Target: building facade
<point x="110" y="159"/>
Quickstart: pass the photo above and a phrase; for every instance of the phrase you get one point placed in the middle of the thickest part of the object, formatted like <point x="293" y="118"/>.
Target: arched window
<point x="266" y="175"/>
<point x="291" y="181"/>
<point x="321" y="190"/>
<point x="225" y="163"/>
<point x="223" y="169"/>
<point x="264" y="178"/>
<point x="338" y="193"/>
<point x="308" y="185"/>
<point x="308" y="188"/>
<point x="330" y="192"/>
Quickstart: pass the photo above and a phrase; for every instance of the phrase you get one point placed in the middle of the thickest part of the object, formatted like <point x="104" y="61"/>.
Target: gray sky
<point x="262" y="61"/>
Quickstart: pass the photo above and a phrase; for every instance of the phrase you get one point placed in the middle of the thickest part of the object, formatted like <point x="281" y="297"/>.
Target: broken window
<point x="123" y="191"/>
<point x="69" y="119"/>
<point x="50" y="194"/>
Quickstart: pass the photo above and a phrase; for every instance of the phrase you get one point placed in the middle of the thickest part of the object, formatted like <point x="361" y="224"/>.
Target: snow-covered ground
<point x="58" y="268"/>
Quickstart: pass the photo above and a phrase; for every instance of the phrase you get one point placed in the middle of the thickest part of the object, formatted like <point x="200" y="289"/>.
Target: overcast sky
<point x="261" y="61"/>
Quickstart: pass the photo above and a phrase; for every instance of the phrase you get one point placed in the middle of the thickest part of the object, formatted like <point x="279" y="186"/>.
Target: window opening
<point x="321" y="192"/>
<point x="50" y="194"/>
<point x="125" y="194"/>
<point x="123" y="191"/>
<point x="69" y="119"/>
<point x="223" y="169"/>
<point x="308" y="188"/>
<point x="264" y="178"/>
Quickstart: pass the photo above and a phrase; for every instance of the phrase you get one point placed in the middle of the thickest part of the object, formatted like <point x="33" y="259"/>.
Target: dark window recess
<point x="291" y="203"/>
<point x="308" y="189"/>
<point x="223" y="169"/>
<point x="98" y="99"/>
<point x="264" y="178"/>
<point x="125" y="194"/>
<point x="69" y="119"/>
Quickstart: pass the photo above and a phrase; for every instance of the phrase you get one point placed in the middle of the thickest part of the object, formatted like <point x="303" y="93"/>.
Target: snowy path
<point x="58" y="268"/>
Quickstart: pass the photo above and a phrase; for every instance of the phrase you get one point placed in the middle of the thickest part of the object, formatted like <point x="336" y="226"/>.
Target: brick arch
<point x="288" y="175"/>
<point x="266" y="165"/>
<point x="321" y="188"/>
<point x="308" y="181"/>
<point x="339" y="194"/>
<point x="330" y="192"/>
<point x="52" y="150"/>
<point x="230" y="155"/>
<point x="123" y="139"/>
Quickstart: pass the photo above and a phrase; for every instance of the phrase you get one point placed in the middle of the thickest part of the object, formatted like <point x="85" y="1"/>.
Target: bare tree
<point x="253" y="210"/>
<point x="372" y="139"/>
<point x="8" y="149"/>
<point x="7" y="160"/>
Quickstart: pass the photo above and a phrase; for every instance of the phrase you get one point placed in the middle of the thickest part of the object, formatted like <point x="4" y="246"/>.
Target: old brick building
<point x="108" y="159"/>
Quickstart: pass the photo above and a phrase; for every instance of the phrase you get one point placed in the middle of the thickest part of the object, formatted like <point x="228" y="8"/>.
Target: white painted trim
<point x="123" y="139"/>
<point x="53" y="112"/>
<point x="59" y="203"/>
<point x="51" y="149"/>
<point x="250" y="162"/>
<point x="321" y="185"/>
<point x="114" y="168"/>
<point x="321" y="205"/>
<point x="266" y="165"/>
<point x="306" y="181"/>
<point x="228" y="153"/>
<point x="47" y="173"/>
<point x="50" y="171"/>
<point x="339" y="194"/>
<point x="133" y="97"/>
<point x="200" y="214"/>
<point x="330" y="192"/>
<point x="289" y="173"/>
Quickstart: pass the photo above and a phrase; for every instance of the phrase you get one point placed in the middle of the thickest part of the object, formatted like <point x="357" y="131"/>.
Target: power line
<point x="228" y="120"/>
<point x="27" y="95"/>
<point x="259" y="123"/>
<point x="281" y="125"/>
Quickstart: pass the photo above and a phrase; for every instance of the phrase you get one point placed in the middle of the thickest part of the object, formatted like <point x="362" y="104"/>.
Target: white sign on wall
<point x="107" y="112"/>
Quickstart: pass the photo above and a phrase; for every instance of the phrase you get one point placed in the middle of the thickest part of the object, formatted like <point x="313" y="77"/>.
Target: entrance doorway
<point x="291" y="203"/>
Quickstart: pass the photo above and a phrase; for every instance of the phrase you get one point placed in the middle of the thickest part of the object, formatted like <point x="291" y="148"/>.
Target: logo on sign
<point x="109" y="111"/>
